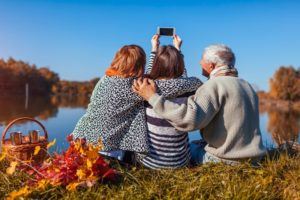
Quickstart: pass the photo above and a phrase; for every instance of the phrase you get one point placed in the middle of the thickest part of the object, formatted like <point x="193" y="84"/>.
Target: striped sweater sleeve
<point x="150" y="63"/>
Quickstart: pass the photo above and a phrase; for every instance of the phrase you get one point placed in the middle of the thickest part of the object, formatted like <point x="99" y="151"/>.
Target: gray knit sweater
<point x="225" y="109"/>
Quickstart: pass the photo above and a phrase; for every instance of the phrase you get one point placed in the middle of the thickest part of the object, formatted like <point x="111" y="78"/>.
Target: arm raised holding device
<point x="177" y="42"/>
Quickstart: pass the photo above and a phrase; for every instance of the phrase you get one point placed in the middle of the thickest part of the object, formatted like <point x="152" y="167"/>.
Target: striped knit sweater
<point x="169" y="148"/>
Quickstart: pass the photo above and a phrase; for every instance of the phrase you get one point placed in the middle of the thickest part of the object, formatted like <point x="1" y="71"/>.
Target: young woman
<point x="115" y="114"/>
<point x="169" y="148"/>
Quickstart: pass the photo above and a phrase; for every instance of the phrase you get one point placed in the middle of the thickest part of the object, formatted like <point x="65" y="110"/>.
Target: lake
<point x="60" y="114"/>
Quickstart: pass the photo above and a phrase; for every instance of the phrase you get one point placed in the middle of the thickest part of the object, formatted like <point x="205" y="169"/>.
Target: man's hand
<point x="177" y="42"/>
<point x="144" y="87"/>
<point x="155" y="43"/>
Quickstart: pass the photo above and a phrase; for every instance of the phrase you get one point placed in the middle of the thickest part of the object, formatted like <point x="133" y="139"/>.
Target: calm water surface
<point x="60" y="115"/>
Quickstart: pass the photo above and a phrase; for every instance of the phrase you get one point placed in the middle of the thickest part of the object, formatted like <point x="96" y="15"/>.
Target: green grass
<point x="276" y="179"/>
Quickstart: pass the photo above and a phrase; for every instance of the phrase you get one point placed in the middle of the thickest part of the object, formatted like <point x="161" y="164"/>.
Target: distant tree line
<point x="14" y="75"/>
<point x="75" y="87"/>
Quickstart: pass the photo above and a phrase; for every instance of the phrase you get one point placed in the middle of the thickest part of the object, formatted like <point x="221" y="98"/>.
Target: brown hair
<point x="168" y="63"/>
<point x="129" y="61"/>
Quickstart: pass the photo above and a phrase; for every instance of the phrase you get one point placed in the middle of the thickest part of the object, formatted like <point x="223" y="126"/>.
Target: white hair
<point x="219" y="54"/>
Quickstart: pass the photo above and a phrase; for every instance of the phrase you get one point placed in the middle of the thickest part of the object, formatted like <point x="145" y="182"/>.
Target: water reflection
<point x="60" y="114"/>
<point x="70" y="101"/>
<point x="283" y="124"/>
<point x="42" y="107"/>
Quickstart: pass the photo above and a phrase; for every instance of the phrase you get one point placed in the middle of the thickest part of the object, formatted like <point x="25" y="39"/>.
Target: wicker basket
<point x="25" y="150"/>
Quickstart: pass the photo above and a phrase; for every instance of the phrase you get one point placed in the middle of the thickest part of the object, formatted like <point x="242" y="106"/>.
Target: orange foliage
<point x="75" y="87"/>
<point x="285" y="84"/>
<point x="80" y="165"/>
<point x="14" y="75"/>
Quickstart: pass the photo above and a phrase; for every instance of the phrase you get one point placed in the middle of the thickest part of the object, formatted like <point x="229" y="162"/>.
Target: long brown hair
<point x="129" y="61"/>
<point x="168" y="63"/>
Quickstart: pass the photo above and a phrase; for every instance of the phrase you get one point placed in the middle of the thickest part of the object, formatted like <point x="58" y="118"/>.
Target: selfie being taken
<point x="149" y="100"/>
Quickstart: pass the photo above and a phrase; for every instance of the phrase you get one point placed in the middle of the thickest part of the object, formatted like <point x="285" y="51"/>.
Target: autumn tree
<point x="285" y="84"/>
<point x="51" y="77"/>
<point x="75" y="87"/>
<point x="14" y="75"/>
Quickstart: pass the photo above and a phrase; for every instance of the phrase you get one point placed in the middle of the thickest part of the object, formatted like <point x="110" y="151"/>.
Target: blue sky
<point x="78" y="39"/>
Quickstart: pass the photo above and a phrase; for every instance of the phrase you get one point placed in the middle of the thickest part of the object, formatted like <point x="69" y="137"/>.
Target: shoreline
<point x="272" y="104"/>
<point x="264" y="101"/>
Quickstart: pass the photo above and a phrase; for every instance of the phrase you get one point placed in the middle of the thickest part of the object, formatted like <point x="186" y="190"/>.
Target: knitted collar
<point x="224" y="71"/>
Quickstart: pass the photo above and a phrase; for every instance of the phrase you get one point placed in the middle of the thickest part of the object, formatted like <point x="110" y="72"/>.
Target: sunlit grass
<point x="274" y="179"/>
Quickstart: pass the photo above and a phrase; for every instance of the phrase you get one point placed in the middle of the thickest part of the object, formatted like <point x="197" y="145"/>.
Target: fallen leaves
<point x="80" y="174"/>
<point x="2" y="156"/>
<point x="80" y="165"/>
<point x="72" y="186"/>
<point x="89" y="164"/>
<point x="12" y="168"/>
<point x="50" y="144"/>
<point x="23" y="192"/>
<point x="36" y="150"/>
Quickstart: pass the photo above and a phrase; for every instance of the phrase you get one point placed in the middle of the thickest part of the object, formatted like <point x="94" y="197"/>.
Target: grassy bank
<point x="278" y="179"/>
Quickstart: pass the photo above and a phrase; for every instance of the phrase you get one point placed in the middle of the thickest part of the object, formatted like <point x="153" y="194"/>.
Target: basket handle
<point x="21" y="119"/>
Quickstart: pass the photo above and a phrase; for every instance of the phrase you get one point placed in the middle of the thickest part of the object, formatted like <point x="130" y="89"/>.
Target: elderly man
<point x="224" y="109"/>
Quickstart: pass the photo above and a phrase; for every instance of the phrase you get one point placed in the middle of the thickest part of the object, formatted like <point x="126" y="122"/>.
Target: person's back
<point x="116" y="115"/>
<point x="169" y="148"/>
<point x="234" y="132"/>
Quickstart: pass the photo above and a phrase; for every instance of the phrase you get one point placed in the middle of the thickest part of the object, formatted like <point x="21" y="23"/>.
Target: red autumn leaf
<point x="70" y="137"/>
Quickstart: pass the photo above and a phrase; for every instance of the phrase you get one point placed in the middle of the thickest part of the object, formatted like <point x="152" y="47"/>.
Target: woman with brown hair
<point x="115" y="114"/>
<point x="169" y="148"/>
